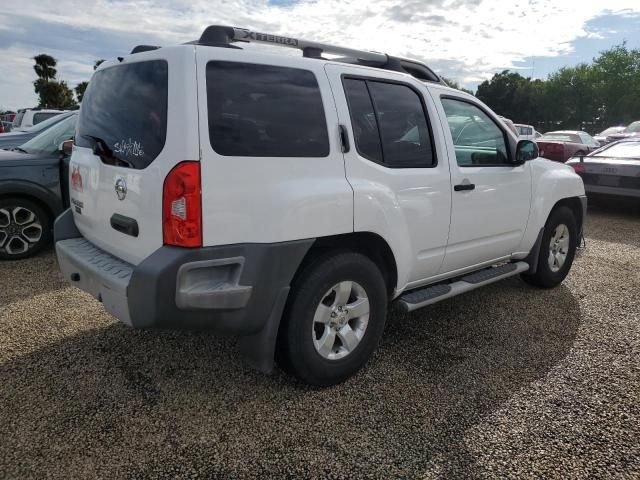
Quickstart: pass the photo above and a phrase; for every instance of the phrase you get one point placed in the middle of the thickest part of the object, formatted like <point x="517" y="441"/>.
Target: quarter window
<point x="389" y="123"/>
<point x="265" y="111"/>
<point x="477" y="139"/>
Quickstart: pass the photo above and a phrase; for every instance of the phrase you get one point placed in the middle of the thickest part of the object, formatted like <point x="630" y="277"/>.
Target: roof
<point x="228" y="37"/>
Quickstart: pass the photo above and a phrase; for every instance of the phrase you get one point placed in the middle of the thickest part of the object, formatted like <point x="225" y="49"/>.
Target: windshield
<point x="633" y="128"/>
<point x="629" y="150"/>
<point x="562" y="137"/>
<point x="17" y="120"/>
<point x="49" y="141"/>
<point x="42" y="126"/>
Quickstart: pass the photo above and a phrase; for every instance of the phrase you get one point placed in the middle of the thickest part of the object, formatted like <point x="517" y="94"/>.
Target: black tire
<point x="545" y="277"/>
<point x="296" y="351"/>
<point x="7" y="234"/>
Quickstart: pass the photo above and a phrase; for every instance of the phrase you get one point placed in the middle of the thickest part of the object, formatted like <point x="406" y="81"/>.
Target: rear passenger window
<point x="389" y="123"/>
<point x="265" y="111"/>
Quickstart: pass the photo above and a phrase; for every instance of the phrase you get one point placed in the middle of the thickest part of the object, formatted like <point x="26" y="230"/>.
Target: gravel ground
<point x="506" y="381"/>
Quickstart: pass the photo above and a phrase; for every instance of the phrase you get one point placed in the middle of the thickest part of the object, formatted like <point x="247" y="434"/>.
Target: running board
<point x="422" y="297"/>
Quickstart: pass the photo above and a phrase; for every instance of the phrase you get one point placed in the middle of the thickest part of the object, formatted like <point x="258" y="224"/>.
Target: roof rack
<point x="224" y="36"/>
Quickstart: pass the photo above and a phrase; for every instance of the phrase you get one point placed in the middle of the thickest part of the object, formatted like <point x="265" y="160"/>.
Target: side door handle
<point x="464" y="186"/>
<point x="344" y="138"/>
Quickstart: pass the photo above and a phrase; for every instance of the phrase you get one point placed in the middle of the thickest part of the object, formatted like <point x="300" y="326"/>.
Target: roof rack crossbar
<point x="223" y="36"/>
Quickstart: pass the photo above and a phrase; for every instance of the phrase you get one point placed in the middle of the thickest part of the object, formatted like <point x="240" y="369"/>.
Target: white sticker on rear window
<point x="129" y="148"/>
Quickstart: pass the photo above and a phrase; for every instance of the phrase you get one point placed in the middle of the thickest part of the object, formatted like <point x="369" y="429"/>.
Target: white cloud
<point x="466" y="39"/>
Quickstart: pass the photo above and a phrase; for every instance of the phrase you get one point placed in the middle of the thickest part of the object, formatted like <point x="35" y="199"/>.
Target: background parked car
<point x="612" y="170"/>
<point x="509" y="123"/>
<point x="527" y="132"/>
<point x="602" y="136"/>
<point x="631" y="130"/>
<point x="564" y="144"/>
<point x="34" y="189"/>
<point x="21" y="135"/>
<point x="29" y="117"/>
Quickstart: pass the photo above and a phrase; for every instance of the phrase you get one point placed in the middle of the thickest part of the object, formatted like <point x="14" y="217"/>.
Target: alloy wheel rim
<point x="340" y="320"/>
<point x="558" y="247"/>
<point x="20" y="230"/>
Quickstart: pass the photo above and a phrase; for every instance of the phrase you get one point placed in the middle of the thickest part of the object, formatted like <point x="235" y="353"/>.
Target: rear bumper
<point x="230" y="289"/>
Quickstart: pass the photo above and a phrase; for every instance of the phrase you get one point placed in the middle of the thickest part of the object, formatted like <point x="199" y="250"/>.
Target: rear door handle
<point x="464" y="186"/>
<point x="344" y="138"/>
<point x="126" y="225"/>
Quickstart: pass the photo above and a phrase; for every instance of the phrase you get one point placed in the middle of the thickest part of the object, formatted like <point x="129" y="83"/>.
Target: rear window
<point x="125" y="107"/>
<point x="265" y="111"/>
<point x="633" y="128"/>
<point x="41" y="117"/>
<point x="621" y="150"/>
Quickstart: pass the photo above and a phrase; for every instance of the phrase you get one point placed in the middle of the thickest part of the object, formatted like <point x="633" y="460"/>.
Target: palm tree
<point x="45" y="67"/>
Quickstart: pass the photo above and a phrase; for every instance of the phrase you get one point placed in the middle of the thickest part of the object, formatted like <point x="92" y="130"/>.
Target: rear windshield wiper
<point x="101" y="149"/>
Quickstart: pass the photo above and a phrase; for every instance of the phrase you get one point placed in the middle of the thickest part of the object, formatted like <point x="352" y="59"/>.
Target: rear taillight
<point x="182" y="206"/>
<point x="579" y="167"/>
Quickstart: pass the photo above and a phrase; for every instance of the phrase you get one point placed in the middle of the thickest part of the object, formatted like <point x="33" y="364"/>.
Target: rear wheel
<point x="334" y="318"/>
<point x="557" y="250"/>
<point x="25" y="228"/>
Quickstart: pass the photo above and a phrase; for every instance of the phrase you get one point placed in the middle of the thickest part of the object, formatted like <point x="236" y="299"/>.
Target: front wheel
<point x="24" y="228"/>
<point x="334" y="318"/>
<point x="557" y="251"/>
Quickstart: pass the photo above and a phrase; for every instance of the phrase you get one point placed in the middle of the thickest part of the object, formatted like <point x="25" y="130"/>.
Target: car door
<point x="491" y="194"/>
<point x="396" y="165"/>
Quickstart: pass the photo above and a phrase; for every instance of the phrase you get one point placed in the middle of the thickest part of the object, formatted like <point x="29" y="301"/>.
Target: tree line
<point x="54" y="93"/>
<point x="591" y="96"/>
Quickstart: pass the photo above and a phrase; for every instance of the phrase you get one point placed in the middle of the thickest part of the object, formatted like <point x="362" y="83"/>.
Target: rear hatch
<point x="137" y="121"/>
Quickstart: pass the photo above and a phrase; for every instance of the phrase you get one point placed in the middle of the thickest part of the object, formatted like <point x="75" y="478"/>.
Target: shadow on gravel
<point x="115" y="402"/>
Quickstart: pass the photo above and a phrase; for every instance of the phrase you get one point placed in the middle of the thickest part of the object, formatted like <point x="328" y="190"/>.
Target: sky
<point x="466" y="40"/>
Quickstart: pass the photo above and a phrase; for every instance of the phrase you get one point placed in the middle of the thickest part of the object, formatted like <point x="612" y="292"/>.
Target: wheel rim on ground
<point x="340" y="320"/>
<point x="20" y="230"/>
<point x="559" y="247"/>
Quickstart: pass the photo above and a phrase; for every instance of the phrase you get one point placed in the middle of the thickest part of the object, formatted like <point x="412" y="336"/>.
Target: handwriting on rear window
<point x="129" y="148"/>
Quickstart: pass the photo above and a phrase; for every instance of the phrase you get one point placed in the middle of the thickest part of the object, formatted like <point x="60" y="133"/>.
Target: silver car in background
<point x="611" y="170"/>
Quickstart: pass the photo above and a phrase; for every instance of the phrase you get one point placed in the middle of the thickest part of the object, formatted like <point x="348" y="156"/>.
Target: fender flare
<point x="25" y="188"/>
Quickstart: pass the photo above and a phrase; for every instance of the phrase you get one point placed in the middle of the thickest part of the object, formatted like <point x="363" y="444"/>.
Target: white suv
<point x="32" y="116"/>
<point x="288" y="200"/>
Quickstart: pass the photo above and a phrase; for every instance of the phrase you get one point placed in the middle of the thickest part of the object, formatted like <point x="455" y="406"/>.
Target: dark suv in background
<point x="34" y="190"/>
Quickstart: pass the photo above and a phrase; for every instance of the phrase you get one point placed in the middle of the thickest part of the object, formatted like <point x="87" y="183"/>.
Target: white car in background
<point x="527" y="132"/>
<point x="29" y="117"/>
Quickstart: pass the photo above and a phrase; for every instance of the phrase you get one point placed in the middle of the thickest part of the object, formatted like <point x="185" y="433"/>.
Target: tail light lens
<point x="182" y="206"/>
<point x="579" y="167"/>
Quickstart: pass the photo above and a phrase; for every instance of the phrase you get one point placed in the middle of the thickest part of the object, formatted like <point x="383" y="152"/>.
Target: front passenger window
<point x="477" y="139"/>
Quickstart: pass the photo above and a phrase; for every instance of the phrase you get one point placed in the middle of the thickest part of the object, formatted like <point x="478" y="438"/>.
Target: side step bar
<point x="422" y="297"/>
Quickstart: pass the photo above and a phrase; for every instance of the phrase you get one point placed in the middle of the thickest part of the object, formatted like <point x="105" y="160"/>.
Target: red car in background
<point x="564" y="144"/>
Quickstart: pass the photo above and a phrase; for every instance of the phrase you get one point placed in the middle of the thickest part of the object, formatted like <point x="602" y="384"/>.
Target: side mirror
<point x="66" y="147"/>
<point x="526" y="150"/>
